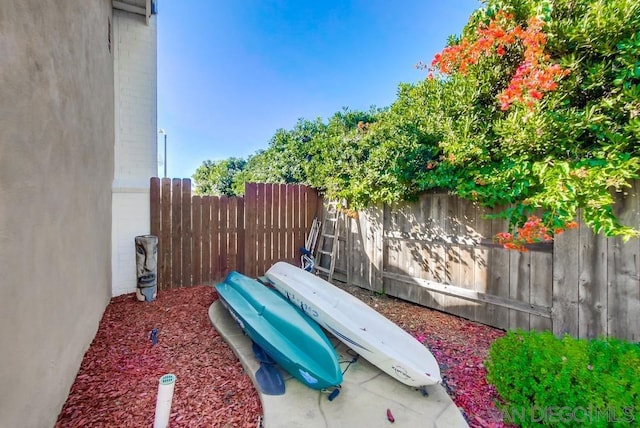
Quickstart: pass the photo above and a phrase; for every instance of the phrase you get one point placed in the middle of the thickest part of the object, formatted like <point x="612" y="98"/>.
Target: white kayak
<point x="357" y="325"/>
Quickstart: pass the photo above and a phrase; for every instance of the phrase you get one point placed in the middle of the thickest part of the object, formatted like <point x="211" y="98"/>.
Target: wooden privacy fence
<point x="202" y="238"/>
<point x="438" y="252"/>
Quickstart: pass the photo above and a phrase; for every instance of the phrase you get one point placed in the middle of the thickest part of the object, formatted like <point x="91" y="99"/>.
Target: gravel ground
<point x="118" y="379"/>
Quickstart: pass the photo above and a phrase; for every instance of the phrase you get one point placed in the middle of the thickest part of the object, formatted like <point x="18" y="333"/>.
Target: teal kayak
<point x="283" y="331"/>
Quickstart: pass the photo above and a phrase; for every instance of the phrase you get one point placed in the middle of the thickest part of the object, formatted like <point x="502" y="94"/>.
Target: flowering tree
<point x="535" y="74"/>
<point x="534" y="107"/>
<point x="555" y="87"/>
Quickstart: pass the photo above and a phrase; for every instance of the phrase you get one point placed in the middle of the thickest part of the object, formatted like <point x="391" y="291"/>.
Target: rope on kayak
<point x="354" y="358"/>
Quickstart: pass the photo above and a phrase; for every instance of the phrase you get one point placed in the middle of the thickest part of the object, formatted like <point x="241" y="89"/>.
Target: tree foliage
<point x="534" y="107"/>
<point x="217" y="177"/>
<point x="566" y="149"/>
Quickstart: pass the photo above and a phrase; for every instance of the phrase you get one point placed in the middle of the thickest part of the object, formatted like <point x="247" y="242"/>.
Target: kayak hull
<point x="360" y="327"/>
<point x="285" y="333"/>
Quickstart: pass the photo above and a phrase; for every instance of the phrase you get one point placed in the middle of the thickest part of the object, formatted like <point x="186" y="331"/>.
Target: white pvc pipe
<point x="163" y="404"/>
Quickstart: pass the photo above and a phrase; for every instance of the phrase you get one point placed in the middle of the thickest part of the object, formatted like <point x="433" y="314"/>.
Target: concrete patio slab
<point x="366" y="393"/>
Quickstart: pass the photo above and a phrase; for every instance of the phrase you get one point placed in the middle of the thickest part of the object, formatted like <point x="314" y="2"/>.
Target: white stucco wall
<point x="56" y="173"/>
<point x="135" y="75"/>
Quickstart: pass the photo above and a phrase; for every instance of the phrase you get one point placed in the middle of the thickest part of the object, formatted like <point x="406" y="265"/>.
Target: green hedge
<point x="543" y="380"/>
<point x="566" y="139"/>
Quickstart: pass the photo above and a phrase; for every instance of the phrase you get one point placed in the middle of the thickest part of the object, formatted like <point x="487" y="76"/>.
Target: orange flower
<point x="535" y="94"/>
<point x="532" y="78"/>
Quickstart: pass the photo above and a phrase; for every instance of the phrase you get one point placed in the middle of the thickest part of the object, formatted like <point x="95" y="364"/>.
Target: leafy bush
<point x="217" y="177"/>
<point x="565" y="382"/>
<point x="544" y="96"/>
<point x="535" y="107"/>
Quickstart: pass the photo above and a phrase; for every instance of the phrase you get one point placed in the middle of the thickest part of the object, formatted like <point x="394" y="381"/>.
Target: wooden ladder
<point x="329" y="236"/>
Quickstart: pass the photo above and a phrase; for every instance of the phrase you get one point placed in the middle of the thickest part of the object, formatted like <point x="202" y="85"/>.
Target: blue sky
<point x="230" y="73"/>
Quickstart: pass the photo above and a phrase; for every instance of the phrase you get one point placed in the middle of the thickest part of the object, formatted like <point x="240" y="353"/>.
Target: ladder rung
<point x="327" y="253"/>
<point x="331" y="219"/>
<point x="321" y="269"/>
<point x="326" y="235"/>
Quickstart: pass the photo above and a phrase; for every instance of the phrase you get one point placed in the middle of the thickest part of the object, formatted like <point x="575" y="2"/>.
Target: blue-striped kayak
<point x="283" y="331"/>
<point x="366" y="331"/>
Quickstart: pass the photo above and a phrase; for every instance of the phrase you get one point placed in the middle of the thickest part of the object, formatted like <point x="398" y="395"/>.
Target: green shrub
<point x="561" y="141"/>
<point x="543" y="380"/>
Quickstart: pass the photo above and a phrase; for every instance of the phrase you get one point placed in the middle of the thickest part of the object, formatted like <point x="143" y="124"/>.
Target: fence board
<point x="268" y="224"/>
<point x="155" y="211"/>
<point x="467" y="213"/>
<point x="357" y="255"/>
<point x="278" y="221"/>
<point x="206" y="239"/>
<point x="308" y="210"/>
<point x="519" y="287"/>
<point x="260" y="229"/>
<point x="240" y="238"/>
<point x="232" y="235"/>
<point x="223" y="253"/>
<point x="176" y="233"/>
<point x="362" y="241"/>
<point x="288" y="253"/>
<point x="186" y="233"/>
<point x="453" y="254"/>
<point x="251" y="250"/>
<point x="154" y="206"/>
<point x="216" y="270"/>
<point x="196" y="244"/>
<point x="499" y="275"/>
<point x="541" y="284"/>
<point x="165" y="242"/>
<point x="624" y="271"/>
<point x="377" y="222"/>
<point x="481" y="268"/>
<point x="298" y="233"/>
<point x="340" y="263"/>
<point x="436" y="250"/>
<point x="565" y="279"/>
<point x="592" y="289"/>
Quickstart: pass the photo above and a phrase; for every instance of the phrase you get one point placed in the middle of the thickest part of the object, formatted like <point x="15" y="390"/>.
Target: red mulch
<point x="118" y="379"/>
<point x="460" y="347"/>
